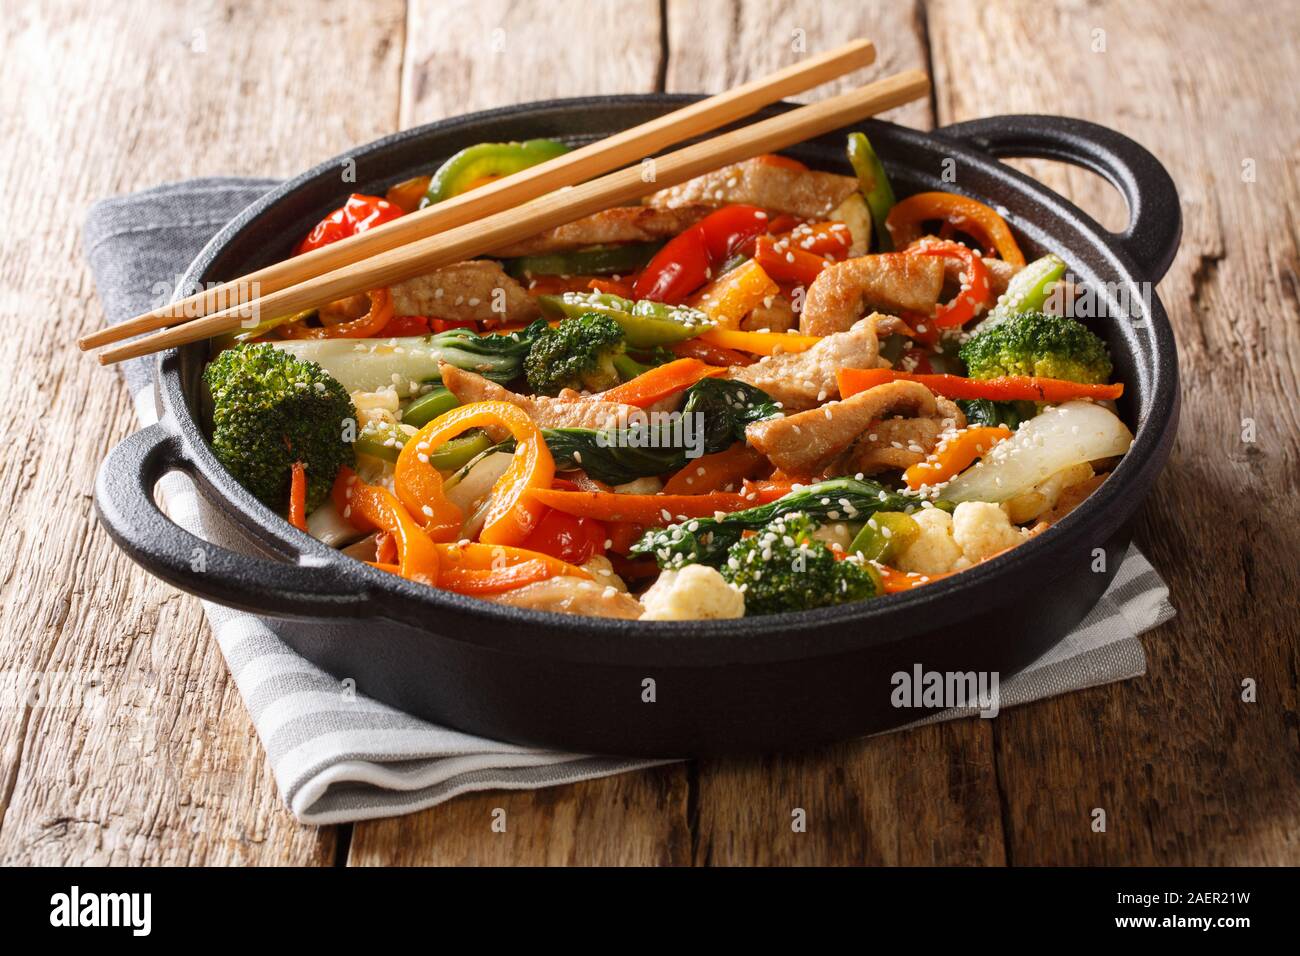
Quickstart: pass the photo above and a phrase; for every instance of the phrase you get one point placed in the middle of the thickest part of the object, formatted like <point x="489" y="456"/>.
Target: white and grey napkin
<point x="339" y="756"/>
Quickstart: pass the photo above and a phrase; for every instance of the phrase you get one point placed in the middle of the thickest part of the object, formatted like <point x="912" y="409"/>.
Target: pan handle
<point x="126" y="507"/>
<point x="1155" y="217"/>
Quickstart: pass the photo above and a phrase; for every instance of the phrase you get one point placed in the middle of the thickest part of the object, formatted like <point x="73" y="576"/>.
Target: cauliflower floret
<point x="837" y="534"/>
<point x="693" y="593"/>
<point x="982" y="529"/>
<point x="934" y="551"/>
<point x="376" y="407"/>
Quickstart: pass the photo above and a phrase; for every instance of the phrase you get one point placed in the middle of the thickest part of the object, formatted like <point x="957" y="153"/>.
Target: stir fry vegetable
<point x="731" y="405"/>
<point x="487" y="161"/>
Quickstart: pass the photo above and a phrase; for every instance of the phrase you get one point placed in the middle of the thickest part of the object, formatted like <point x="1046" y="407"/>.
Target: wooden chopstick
<point x="546" y="212"/>
<point x="594" y="159"/>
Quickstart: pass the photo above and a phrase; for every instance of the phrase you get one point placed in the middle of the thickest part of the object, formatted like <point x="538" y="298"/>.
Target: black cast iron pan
<point x="756" y="684"/>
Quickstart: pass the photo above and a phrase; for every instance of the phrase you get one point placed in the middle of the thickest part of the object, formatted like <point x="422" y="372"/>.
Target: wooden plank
<point x="160" y="765"/>
<point x="459" y="60"/>
<point x="858" y="797"/>
<point x="466" y="57"/>
<point x="714" y="45"/>
<point x="1187" y="772"/>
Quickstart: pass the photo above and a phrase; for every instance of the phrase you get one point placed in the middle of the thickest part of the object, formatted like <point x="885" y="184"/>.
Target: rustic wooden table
<point x="164" y="767"/>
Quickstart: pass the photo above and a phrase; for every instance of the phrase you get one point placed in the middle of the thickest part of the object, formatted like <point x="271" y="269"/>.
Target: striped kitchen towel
<point x="339" y="756"/>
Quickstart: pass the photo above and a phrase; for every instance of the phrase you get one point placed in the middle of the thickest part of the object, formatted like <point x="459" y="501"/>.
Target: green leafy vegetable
<point x="784" y="568"/>
<point x="578" y="354"/>
<point x="370" y="364"/>
<point x="271" y="410"/>
<point x="707" y="540"/>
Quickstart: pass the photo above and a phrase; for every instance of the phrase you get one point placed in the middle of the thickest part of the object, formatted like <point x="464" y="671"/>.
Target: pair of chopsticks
<point x="519" y="206"/>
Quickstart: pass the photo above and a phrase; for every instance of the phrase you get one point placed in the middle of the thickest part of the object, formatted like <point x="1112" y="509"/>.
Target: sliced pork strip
<point x="800" y="380"/>
<point x="465" y="291"/>
<point x="890" y="282"/>
<point x="572" y="595"/>
<point x="806" y="444"/>
<point x="808" y="194"/>
<point x="568" y="410"/>
<point x="620" y="224"/>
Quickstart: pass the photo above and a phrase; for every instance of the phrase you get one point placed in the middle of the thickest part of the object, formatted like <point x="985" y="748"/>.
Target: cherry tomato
<point x="566" y="537"/>
<point x="358" y="214"/>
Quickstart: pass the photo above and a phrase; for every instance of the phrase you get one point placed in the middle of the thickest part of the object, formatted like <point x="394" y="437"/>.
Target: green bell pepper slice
<point x="885" y="536"/>
<point x="874" y="185"/>
<point x="429" y="406"/>
<point x="488" y="159"/>
<point x="645" y="324"/>
<point x="385" y="441"/>
<point x="596" y="261"/>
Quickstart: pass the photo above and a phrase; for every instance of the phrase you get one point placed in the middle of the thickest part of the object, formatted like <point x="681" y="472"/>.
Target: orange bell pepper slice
<point x="419" y="487"/>
<point x="906" y="220"/>
<point x="1007" y="388"/>
<point x="733" y="295"/>
<point x="512" y="513"/>
<point x="381" y="312"/>
<point x="298" y="496"/>
<point x="784" y="261"/>
<point x="660" y="382"/>
<point x="759" y="343"/>
<point x="955" y="455"/>
<point x="372" y="508"/>
<point x="714" y="472"/>
<point x="654" y="511"/>
<point x="408" y="194"/>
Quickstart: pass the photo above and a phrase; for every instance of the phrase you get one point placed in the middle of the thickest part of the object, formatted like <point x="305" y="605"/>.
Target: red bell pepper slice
<point x="688" y="260"/>
<point x="976" y="293"/>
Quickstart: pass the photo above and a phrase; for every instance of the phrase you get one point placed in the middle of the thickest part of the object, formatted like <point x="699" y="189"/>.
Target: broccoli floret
<point x="1033" y="343"/>
<point x="784" y="568"/>
<point x="578" y="353"/>
<point x="271" y="410"/>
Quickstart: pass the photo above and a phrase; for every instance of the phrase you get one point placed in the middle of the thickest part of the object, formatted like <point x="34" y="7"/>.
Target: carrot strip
<point x="761" y="492"/>
<point x="474" y="568"/>
<point x="955" y="455"/>
<point x="760" y="343"/>
<point x="896" y="581"/>
<point x="714" y="472"/>
<point x="1006" y="388"/>
<point x="660" y="382"/>
<point x="298" y="496"/>
<point x="654" y="511"/>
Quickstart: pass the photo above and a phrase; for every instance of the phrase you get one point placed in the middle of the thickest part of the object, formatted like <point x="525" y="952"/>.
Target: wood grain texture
<point x="636" y="819"/>
<point x="1187" y="771"/>
<point x="160" y="764"/>
<point x="462" y="57"/>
